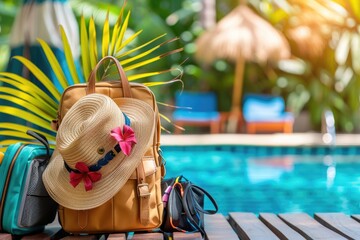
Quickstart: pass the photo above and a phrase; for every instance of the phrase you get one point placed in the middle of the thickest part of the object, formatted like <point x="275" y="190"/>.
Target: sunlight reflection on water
<point x="269" y="182"/>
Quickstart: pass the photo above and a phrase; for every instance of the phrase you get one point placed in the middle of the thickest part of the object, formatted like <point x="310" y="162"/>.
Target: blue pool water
<point x="272" y="179"/>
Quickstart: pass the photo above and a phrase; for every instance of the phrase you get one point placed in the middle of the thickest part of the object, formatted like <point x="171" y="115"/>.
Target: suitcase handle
<point x="42" y="139"/>
<point x="124" y="80"/>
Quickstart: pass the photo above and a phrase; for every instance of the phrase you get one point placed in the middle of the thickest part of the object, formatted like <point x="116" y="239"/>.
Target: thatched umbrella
<point x="241" y="36"/>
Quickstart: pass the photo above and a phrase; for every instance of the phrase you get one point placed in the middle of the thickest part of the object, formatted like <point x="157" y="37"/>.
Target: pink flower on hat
<point x="83" y="173"/>
<point x="125" y="137"/>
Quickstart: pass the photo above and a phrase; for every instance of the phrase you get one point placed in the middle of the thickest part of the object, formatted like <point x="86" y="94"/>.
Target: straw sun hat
<point x="98" y="146"/>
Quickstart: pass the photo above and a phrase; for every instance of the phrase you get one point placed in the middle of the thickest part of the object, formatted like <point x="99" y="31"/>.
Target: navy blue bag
<point x="184" y="206"/>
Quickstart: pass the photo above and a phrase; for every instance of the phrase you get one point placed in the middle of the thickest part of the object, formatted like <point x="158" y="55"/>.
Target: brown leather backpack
<point x="138" y="205"/>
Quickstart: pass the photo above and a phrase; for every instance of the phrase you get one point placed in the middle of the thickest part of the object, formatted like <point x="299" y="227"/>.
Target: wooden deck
<point x="239" y="225"/>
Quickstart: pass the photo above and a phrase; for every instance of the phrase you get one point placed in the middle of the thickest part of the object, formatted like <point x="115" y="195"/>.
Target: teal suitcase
<point x="25" y="206"/>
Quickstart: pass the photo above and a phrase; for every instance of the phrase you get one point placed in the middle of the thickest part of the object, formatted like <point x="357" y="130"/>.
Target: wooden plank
<point x="218" y="228"/>
<point x="80" y="237"/>
<point x="280" y="228"/>
<point x="248" y="226"/>
<point x="146" y="236"/>
<point x="308" y="227"/>
<point x="187" y="236"/>
<point x="47" y="234"/>
<point x="356" y="217"/>
<point x="117" y="236"/>
<point x="340" y="223"/>
<point x="5" y="236"/>
<point x="38" y="236"/>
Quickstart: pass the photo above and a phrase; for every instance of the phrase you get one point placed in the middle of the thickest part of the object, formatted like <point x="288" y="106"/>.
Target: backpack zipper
<point x="7" y="181"/>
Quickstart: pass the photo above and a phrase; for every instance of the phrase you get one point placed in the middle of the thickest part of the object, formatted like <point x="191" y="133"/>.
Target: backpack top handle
<point x="124" y="80"/>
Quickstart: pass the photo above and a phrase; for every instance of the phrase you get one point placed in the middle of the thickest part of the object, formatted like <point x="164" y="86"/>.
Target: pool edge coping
<point x="276" y="139"/>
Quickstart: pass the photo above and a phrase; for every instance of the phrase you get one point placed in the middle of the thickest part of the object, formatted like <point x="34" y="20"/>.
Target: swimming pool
<point x="272" y="179"/>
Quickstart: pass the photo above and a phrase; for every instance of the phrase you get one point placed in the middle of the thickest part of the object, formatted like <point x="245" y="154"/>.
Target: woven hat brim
<point x="56" y="177"/>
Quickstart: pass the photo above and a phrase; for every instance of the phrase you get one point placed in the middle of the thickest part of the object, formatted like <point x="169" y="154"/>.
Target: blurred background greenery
<point x="324" y="35"/>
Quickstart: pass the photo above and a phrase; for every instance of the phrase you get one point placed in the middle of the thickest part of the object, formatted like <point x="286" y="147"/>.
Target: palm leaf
<point x="28" y="106"/>
<point x="129" y="40"/>
<point x="23" y="129"/>
<point x="25" y="115"/>
<point x="16" y="135"/>
<point x="113" y="71"/>
<point x="84" y="42"/>
<point x="85" y="56"/>
<point x="122" y="33"/>
<point x="115" y="33"/>
<point x="141" y="55"/>
<point x="147" y="75"/>
<point x="106" y="36"/>
<point x="139" y="47"/>
<point x="69" y="57"/>
<point x="153" y="84"/>
<point x="32" y="104"/>
<point x="40" y="76"/>
<point x="54" y="63"/>
<point x="20" y="95"/>
<point x="165" y="117"/>
<point x="5" y="143"/>
<point x="92" y="44"/>
<point x="29" y="87"/>
<point x="148" y="61"/>
<point x="162" y="116"/>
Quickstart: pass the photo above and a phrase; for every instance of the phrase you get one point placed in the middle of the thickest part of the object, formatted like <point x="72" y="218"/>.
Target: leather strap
<point x="82" y="218"/>
<point x="144" y="195"/>
<point x="124" y="80"/>
<point x="188" y="199"/>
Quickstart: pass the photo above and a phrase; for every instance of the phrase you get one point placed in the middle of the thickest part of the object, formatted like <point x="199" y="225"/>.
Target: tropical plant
<point x="325" y="72"/>
<point x="8" y="10"/>
<point x="35" y="106"/>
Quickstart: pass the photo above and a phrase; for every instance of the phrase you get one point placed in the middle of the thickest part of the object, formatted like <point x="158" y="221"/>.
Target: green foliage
<point x="331" y="77"/>
<point x="320" y="76"/>
<point x="39" y="108"/>
<point x="8" y="10"/>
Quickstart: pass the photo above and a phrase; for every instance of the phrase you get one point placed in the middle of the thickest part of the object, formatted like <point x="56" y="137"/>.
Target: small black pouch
<point x="184" y="206"/>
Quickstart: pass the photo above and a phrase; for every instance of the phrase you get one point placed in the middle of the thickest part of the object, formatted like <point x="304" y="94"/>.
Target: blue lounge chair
<point x="197" y="109"/>
<point x="266" y="113"/>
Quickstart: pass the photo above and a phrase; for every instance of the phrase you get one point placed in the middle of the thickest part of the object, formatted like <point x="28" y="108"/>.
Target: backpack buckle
<point x="143" y="190"/>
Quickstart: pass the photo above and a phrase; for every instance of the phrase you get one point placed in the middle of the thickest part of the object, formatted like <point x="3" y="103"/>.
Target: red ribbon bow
<point x="125" y="137"/>
<point x="84" y="174"/>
